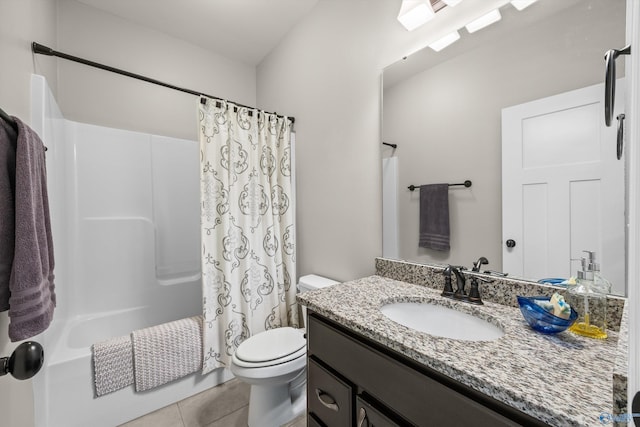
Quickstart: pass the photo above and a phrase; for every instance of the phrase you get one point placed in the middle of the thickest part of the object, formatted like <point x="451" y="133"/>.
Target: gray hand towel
<point x="434" y="217"/>
<point x="32" y="297"/>
<point x="8" y="139"/>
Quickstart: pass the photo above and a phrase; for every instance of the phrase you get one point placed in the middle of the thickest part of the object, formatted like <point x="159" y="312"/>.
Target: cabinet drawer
<point x="368" y="416"/>
<point x="328" y="397"/>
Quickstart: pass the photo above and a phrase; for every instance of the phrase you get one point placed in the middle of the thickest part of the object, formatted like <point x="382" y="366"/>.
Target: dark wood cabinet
<point x="353" y="381"/>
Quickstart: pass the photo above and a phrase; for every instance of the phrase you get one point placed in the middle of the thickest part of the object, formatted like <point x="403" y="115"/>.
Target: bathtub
<point x="64" y="391"/>
<point x="125" y="221"/>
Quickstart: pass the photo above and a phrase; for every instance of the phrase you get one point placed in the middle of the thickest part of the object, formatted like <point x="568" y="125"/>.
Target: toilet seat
<point x="271" y="347"/>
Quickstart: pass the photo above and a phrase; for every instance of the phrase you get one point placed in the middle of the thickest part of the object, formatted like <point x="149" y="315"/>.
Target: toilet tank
<point x="312" y="282"/>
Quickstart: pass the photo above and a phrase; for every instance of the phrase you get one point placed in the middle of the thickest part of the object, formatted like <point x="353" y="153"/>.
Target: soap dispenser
<point x="588" y="296"/>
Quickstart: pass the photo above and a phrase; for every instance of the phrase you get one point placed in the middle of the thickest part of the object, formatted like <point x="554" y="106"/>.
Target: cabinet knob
<point x="511" y="243"/>
<point x="327" y="400"/>
<point x="362" y="417"/>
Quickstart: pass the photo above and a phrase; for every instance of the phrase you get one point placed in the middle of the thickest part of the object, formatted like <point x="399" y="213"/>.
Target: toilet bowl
<point x="274" y="363"/>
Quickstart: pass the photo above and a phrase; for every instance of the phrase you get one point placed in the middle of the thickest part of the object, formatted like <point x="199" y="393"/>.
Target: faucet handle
<point x="474" y="292"/>
<point x="448" y="289"/>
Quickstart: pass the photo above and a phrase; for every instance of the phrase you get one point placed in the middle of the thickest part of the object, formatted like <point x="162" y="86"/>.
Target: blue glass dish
<point x="553" y="281"/>
<point x="540" y="319"/>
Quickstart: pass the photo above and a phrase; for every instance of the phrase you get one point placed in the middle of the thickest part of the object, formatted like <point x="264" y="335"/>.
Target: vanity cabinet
<point x="353" y="381"/>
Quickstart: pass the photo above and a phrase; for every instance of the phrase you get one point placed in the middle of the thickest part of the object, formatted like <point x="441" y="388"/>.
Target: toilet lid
<point x="270" y="345"/>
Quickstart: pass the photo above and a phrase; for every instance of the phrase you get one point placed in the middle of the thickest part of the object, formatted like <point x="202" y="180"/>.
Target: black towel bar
<point x="467" y="184"/>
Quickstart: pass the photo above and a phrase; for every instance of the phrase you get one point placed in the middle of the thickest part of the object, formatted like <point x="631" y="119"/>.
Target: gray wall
<point x="22" y="22"/>
<point x="327" y="72"/>
<point x="91" y="95"/>
<point x="447" y="119"/>
<point x="330" y="83"/>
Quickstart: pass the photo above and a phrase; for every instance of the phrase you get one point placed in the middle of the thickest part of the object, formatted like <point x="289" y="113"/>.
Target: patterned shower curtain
<point x="248" y="240"/>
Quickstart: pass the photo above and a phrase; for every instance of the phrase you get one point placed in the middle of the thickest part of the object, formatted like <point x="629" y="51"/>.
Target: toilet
<point x="274" y="363"/>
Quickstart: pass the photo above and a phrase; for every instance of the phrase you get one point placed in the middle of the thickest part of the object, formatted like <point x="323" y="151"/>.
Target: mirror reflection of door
<point x="565" y="192"/>
<point x="443" y="109"/>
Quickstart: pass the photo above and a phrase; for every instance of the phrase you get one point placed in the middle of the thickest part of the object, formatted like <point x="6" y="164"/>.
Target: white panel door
<point x="562" y="187"/>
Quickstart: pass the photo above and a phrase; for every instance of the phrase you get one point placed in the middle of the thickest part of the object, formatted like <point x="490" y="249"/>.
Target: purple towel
<point x="434" y="217"/>
<point x="7" y="208"/>
<point x="31" y="289"/>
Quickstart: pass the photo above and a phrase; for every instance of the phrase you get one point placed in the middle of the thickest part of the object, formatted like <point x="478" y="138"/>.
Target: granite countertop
<point x="561" y="379"/>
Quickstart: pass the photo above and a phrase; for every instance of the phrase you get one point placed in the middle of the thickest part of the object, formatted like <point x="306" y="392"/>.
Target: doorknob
<point x="25" y="361"/>
<point x="511" y="243"/>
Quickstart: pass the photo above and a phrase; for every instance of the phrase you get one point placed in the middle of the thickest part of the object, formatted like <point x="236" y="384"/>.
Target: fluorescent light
<point x="483" y="21"/>
<point x="451" y="2"/>
<point x="522" y="4"/>
<point x="445" y="41"/>
<point x="414" y="13"/>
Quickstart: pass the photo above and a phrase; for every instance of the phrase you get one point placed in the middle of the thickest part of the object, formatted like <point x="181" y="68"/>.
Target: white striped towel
<point x="167" y="352"/>
<point x="112" y="364"/>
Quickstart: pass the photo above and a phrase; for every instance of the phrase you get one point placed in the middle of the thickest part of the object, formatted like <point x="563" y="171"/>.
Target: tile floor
<point x="223" y="406"/>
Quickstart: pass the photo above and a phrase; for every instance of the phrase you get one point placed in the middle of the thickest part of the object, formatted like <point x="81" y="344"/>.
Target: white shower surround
<point x="127" y="257"/>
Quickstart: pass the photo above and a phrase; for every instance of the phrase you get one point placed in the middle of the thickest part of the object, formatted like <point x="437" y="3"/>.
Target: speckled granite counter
<point x="560" y="379"/>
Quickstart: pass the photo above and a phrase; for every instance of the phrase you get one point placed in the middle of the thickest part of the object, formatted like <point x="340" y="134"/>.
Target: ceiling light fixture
<point x="445" y="41"/>
<point x="451" y="3"/>
<point x="483" y="21"/>
<point x="414" y="13"/>
<point x="522" y="4"/>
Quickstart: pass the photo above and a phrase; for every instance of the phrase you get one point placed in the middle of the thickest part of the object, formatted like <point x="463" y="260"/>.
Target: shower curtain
<point x="247" y="226"/>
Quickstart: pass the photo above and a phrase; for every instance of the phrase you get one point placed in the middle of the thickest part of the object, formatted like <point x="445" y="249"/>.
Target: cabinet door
<point x="368" y="416"/>
<point x="328" y="397"/>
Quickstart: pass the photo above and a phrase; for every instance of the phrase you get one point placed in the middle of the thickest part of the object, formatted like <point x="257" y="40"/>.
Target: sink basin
<point x="441" y="321"/>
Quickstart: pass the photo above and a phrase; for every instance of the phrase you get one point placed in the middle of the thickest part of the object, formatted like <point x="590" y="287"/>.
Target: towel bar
<point x="467" y="184"/>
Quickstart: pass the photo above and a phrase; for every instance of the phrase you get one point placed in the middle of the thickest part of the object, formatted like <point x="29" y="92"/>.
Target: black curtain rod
<point x="467" y="184"/>
<point x="37" y="48"/>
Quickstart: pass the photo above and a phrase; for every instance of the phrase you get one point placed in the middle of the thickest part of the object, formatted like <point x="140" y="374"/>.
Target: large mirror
<point x="444" y="110"/>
